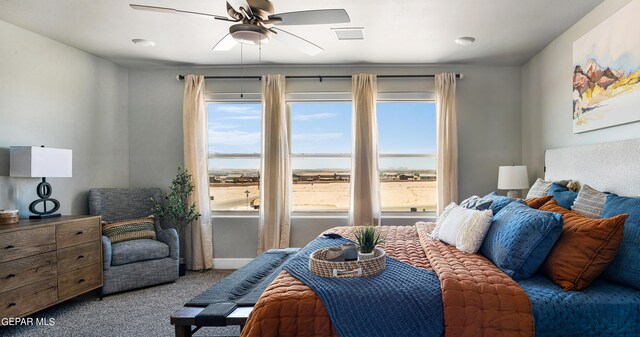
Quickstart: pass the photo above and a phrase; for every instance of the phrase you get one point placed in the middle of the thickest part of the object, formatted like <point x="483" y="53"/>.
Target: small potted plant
<point x="368" y="238"/>
<point x="176" y="209"/>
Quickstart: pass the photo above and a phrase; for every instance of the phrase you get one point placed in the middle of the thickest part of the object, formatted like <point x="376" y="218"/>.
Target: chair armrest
<point x="170" y="237"/>
<point x="106" y="252"/>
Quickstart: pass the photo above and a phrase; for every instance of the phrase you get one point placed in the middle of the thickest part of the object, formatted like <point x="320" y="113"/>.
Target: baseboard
<point x="230" y="263"/>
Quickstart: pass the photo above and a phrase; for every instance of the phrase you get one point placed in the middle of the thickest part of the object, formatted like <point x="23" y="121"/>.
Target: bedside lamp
<point x="41" y="162"/>
<point x="513" y="178"/>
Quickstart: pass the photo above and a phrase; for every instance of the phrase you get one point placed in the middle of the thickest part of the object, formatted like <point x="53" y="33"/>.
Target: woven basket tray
<point x="321" y="267"/>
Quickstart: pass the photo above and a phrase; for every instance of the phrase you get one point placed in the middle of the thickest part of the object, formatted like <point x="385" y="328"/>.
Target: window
<point x="320" y="155"/>
<point x="234" y="155"/>
<point x="407" y="140"/>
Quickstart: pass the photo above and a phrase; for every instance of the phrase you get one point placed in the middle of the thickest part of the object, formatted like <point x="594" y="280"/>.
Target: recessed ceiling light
<point x="465" y="40"/>
<point x="143" y="42"/>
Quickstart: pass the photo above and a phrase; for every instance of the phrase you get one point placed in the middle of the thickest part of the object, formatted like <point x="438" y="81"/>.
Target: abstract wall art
<point x="606" y="63"/>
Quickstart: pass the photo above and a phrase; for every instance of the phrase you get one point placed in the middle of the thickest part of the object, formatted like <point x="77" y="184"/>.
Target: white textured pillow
<point x="443" y="215"/>
<point x="465" y="228"/>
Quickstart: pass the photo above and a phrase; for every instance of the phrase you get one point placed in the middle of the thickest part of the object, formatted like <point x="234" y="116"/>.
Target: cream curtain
<point x="198" y="238"/>
<point x="364" y="208"/>
<point x="275" y="168"/>
<point x="447" y="139"/>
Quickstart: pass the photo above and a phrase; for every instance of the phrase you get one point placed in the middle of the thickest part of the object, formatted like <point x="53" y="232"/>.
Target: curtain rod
<point x="319" y="77"/>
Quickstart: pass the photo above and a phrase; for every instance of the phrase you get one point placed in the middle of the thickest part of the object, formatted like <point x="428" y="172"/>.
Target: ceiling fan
<point x="255" y="20"/>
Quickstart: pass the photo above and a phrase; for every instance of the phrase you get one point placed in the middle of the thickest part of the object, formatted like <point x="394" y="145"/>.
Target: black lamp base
<point x="44" y="192"/>
<point x="45" y="216"/>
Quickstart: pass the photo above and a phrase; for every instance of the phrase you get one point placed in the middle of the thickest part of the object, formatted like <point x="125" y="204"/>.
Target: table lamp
<point x="41" y="162"/>
<point x="513" y="178"/>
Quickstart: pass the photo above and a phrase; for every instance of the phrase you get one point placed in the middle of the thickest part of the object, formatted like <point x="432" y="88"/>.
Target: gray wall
<point x="547" y="97"/>
<point x="58" y="96"/>
<point x="488" y="127"/>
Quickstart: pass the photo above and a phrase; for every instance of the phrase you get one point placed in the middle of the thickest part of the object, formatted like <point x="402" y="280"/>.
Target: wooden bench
<point x="241" y="289"/>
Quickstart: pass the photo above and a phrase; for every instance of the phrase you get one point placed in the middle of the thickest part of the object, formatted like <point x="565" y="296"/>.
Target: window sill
<point x="428" y="216"/>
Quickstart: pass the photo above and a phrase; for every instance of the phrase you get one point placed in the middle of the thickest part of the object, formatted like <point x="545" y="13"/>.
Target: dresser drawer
<point x="27" y="242"/>
<point x="78" y="232"/>
<point x="27" y="299"/>
<point x="79" y="256"/>
<point x="79" y="281"/>
<point x="17" y="273"/>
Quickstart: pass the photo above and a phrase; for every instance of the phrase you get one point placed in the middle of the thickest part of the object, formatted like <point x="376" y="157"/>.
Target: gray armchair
<point x="134" y="263"/>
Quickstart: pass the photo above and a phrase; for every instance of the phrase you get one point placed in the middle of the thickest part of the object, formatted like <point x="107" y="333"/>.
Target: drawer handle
<point x="12" y="304"/>
<point x="80" y="257"/>
<point x="79" y="233"/>
<point x="81" y="280"/>
<point x="9" y="247"/>
<point x="10" y="276"/>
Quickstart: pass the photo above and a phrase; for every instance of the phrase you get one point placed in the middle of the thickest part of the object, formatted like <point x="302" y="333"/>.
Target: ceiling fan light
<point x="250" y="34"/>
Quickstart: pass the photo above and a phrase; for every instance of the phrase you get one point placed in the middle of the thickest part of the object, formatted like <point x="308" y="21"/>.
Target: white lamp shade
<point x="513" y="178"/>
<point x="31" y="161"/>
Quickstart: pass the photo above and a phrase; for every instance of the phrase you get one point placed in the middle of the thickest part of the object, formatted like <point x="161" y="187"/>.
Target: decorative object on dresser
<point x="134" y="263"/>
<point x="8" y="216"/>
<point x="176" y="208"/>
<point x="41" y="162"/>
<point x="47" y="261"/>
<point x="513" y="178"/>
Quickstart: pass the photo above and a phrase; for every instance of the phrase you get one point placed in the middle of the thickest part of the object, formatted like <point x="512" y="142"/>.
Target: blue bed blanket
<point x="602" y="309"/>
<point x="401" y="301"/>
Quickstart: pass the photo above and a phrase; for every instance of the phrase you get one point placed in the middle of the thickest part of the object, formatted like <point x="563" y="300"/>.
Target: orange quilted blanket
<point x="478" y="298"/>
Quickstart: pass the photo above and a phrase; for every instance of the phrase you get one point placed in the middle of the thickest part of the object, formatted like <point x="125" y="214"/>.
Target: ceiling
<point x="507" y="32"/>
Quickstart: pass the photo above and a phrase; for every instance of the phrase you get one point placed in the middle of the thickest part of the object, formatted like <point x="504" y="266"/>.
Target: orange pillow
<point x="585" y="248"/>
<point x="538" y="202"/>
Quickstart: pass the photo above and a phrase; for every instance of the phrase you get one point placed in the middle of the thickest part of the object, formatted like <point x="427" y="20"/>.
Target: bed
<point x="477" y="298"/>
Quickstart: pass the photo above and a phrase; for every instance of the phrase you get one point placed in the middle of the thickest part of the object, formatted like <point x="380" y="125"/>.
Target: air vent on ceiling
<point x="350" y="33"/>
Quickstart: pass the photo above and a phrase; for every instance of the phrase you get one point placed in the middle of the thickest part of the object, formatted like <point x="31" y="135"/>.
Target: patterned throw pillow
<point x="477" y="203"/>
<point x="500" y="201"/>
<point x="539" y="188"/>
<point x="465" y="228"/>
<point x="132" y="229"/>
<point x="520" y="239"/>
<point x="590" y="202"/>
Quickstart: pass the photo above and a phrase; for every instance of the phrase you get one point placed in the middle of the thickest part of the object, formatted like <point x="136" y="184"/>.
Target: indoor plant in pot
<point x="176" y="209"/>
<point x="368" y="237"/>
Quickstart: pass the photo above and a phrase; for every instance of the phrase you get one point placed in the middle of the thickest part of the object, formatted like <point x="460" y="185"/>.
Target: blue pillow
<point x="562" y="195"/>
<point x="625" y="267"/>
<point x="499" y="201"/>
<point x="477" y="203"/>
<point x="520" y="238"/>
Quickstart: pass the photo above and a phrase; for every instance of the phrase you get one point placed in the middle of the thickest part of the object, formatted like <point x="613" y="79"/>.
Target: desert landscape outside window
<point x="407" y="143"/>
<point x="321" y="155"/>
<point x="234" y="155"/>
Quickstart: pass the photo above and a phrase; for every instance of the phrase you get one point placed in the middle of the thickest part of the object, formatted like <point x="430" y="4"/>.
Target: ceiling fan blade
<point x="313" y="17"/>
<point x="226" y="43"/>
<point x="175" y="11"/>
<point x="238" y="4"/>
<point x="296" y="42"/>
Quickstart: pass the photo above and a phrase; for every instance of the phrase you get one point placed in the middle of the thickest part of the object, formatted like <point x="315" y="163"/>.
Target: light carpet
<point x="143" y="312"/>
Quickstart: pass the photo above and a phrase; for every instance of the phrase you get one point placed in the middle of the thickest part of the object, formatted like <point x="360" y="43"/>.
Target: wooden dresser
<point x="45" y="262"/>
